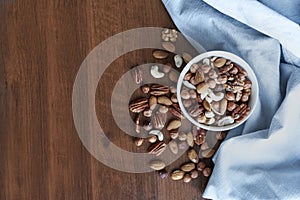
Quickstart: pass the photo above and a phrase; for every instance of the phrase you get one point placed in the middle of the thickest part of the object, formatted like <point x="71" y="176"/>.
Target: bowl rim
<point x="236" y="59"/>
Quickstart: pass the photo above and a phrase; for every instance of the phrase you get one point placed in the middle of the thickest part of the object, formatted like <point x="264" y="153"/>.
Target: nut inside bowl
<point x="217" y="91"/>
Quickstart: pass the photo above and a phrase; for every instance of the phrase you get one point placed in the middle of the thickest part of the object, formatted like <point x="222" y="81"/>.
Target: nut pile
<point x="155" y="110"/>
<point x="223" y="91"/>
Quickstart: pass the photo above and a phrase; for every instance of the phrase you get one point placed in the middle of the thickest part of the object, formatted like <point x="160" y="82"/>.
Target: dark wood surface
<point x="42" y="44"/>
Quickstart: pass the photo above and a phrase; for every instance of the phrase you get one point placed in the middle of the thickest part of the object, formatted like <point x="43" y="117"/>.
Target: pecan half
<point x="138" y="105"/>
<point x="176" y="111"/>
<point x="240" y="112"/>
<point x="159" y="90"/>
<point x="158" y="120"/>
<point x="196" y="110"/>
<point x="157" y="148"/>
<point x="225" y="68"/>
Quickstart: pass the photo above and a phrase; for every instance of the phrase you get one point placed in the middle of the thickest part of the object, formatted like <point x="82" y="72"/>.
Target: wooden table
<point x="42" y="45"/>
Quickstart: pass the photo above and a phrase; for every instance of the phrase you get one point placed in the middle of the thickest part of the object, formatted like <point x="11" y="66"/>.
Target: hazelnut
<point x="187" y="178"/>
<point x="206" y="172"/>
<point x="194" y="174"/>
<point x="200" y="166"/>
<point x="145" y="89"/>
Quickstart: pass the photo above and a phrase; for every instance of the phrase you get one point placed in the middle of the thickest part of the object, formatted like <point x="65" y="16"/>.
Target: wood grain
<point x="42" y="45"/>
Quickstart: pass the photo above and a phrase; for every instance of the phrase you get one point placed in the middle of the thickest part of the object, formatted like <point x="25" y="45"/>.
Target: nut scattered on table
<point x="212" y="88"/>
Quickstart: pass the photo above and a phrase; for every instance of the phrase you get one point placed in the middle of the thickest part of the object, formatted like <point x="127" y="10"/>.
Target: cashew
<point x="225" y="121"/>
<point x="155" y="72"/>
<point x="210" y="121"/>
<point x="208" y="99"/>
<point x="206" y="61"/>
<point x="158" y="133"/>
<point x="204" y="94"/>
<point x="216" y="96"/>
<point x="189" y="85"/>
<point x="209" y="114"/>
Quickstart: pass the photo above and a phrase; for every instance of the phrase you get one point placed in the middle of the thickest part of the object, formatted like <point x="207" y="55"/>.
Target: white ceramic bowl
<point x="234" y="58"/>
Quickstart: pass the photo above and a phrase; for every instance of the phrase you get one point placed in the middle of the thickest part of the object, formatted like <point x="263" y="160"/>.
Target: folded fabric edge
<point x="242" y="11"/>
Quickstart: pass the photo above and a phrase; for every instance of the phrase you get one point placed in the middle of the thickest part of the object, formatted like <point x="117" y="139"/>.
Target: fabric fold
<point x="261" y="158"/>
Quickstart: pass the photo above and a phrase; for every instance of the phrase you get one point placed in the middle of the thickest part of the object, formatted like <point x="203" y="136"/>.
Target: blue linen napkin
<point x="261" y="158"/>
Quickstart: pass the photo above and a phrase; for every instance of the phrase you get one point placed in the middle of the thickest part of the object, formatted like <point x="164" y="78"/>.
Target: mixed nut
<point x="223" y="91"/>
<point x="216" y="91"/>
